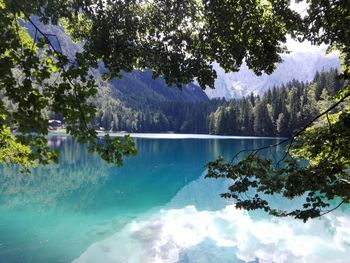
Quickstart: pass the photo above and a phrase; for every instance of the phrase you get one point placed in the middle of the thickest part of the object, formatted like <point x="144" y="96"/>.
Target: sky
<point x="299" y="7"/>
<point x="304" y="47"/>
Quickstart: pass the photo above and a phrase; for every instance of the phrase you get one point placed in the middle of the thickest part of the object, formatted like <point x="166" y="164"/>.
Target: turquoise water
<point x="156" y="208"/>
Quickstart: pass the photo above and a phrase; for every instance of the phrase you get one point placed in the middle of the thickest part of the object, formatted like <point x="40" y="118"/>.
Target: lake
<point x="156" y="208"/>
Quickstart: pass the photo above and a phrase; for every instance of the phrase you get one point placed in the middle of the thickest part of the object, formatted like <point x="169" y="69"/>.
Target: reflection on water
<point x="55" y="213"/>
<point x="47" y="186"/>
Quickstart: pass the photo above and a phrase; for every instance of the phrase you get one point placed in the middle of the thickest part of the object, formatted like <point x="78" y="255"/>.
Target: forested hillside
<point x="135" y="102"/>
<point x="280" y="111"/>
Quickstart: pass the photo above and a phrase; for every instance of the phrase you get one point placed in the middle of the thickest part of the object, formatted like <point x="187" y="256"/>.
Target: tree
<point x="294" y="108"/>
<point x="262" y="121"/>
<point x="247" y="117"/>
<point x="282" y="125"/>
<point x="178" y="40"/>
<point x="324" y="182"/>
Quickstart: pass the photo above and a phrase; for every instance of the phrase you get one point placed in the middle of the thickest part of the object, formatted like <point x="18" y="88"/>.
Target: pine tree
<point x="262" y="122"/>
<point x="282" y="125"/>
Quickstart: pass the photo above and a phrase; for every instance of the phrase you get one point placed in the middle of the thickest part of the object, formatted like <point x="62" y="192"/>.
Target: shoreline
<point x="169" y="135"/>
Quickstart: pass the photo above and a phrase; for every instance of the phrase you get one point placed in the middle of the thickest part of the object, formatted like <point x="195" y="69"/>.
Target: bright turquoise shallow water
<point x="156" y="208"/>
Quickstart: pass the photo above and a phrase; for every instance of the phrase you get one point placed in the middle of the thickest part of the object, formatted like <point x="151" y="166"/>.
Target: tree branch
<point x="293" y="137"/>
<point x="331" y="210"/>
<point x="59" y="54"/>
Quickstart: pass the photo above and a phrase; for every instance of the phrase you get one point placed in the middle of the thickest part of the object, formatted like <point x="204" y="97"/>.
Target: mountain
<point x="300" y="65"/>
<point x="134" y="89"/>
<point x="138" y="103"/>
<point x="139" y="88"/>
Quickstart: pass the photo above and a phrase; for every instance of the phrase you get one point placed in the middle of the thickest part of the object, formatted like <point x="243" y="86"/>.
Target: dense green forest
<point x="175" y="116"/>
<point x="278" y="112"/>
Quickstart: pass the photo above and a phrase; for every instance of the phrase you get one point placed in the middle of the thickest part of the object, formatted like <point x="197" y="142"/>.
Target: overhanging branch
<point x="291" y="139"/>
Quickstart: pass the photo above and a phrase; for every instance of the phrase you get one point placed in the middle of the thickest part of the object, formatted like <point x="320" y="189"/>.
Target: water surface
<point x="156" y="208"/>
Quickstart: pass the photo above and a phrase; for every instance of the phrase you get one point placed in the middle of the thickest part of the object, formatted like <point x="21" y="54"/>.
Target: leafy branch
<point x="291" y="139"/>
<point x="322" y="179"/>
<point x="76" y="86"/>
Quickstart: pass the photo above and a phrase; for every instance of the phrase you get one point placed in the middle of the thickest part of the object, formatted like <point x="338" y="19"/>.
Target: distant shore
<point x="61" y="132"/>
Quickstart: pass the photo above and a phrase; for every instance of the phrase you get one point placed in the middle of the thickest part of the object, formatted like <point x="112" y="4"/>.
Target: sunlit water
<point x="156" y="208"/>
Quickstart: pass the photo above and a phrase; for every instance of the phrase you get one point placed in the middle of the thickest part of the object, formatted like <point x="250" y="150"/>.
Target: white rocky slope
<point x="301" y="65"/>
